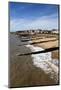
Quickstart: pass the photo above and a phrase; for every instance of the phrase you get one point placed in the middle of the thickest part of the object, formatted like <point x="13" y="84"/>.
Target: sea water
<point x="44" y="61"/>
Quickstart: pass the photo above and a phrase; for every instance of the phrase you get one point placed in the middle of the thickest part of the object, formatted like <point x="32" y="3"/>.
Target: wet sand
<point x="49" y="44"/>
<point x="22" y="72"/>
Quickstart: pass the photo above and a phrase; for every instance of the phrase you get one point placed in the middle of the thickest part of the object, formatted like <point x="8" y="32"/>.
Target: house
<point x="55" y="31"/>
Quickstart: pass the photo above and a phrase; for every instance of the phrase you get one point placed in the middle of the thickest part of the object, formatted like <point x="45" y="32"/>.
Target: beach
<point x="23" y="71"/>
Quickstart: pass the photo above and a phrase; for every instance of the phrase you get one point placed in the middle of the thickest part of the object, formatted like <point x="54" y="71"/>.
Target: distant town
<point x="38" y="31"/>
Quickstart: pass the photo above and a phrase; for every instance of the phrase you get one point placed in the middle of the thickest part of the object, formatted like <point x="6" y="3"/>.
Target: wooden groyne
<point x="38" y="52"/>
<point x="39" y="42"/>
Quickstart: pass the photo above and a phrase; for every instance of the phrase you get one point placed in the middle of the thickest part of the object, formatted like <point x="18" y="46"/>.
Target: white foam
<point x="39" y="57"/>
<point x="44" y="61"/>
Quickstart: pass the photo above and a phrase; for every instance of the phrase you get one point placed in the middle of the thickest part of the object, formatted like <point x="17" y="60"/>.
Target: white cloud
<point x="45" y="22"/>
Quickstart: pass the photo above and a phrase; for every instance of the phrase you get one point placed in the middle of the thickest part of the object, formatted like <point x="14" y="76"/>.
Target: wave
<point x="45" y="62"/>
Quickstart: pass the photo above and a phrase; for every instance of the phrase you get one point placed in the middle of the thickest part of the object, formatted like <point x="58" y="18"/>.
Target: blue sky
<point x="25" y="16"/>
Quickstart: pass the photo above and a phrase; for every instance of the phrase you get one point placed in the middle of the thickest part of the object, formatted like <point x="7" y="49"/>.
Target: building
<point x="55" y="31"/>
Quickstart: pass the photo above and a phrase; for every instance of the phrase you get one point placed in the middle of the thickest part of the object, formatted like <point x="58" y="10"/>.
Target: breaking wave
<point x="45" y="62"/>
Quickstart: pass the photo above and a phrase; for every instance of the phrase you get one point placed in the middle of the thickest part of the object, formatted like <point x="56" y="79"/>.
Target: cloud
<point x="44" y="22"/>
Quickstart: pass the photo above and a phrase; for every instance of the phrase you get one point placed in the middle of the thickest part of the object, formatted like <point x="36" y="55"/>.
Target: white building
<point x="55" y="31"/>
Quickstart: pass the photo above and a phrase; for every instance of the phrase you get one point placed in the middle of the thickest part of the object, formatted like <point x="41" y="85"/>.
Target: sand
<point x="49" y="44"/>
<point x="43" y="39"/>
<point x="22" y="72"/>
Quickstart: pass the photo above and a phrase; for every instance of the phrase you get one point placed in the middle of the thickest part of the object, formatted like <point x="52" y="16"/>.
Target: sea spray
<point x="44" y="61"/>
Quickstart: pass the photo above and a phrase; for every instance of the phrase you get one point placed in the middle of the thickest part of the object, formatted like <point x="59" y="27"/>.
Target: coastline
<point x="23" y="72"/>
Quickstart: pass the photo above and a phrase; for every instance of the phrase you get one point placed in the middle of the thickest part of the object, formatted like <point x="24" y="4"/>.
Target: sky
<point x="26" y="16"/>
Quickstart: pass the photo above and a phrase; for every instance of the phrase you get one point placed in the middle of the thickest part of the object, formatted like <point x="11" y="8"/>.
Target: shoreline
<point x="49" y="44"/>
<point x="22" y="70"/>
